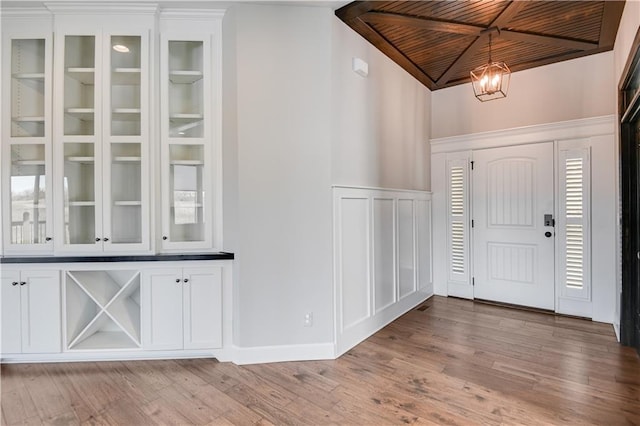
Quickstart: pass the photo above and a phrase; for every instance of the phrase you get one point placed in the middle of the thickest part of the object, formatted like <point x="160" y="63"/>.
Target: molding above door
<point x="585" y="127"/>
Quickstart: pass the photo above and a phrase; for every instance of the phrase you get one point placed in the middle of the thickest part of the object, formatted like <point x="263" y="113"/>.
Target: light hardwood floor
<point x="449" y="361"/>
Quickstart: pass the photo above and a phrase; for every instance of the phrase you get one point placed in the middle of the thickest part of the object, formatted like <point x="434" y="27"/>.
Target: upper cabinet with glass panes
<point x="26" y="136"/>
<point x="102" y="138"/>
<point x="190" y="69"/>
<point x="77" y="128"/>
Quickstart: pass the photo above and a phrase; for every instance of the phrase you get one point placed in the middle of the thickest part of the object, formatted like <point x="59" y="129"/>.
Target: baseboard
<point x="88" y="356"/>
<point x="282" y="353"/>
<point x="616" y="328"/>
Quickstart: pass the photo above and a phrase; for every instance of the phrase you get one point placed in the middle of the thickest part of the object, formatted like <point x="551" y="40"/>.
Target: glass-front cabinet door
<point x="78" y="142"/>
<point x="186" y="144"/>
<point x="26" y="143"/>
<point x="125" y="140"/>
<point x="103" y="127"/>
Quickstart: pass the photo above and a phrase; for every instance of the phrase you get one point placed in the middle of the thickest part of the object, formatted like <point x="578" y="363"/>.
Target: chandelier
<point x="491" y="81"/>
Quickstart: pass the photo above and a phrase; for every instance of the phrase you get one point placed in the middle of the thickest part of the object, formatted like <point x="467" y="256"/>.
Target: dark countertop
<point x="133" y="258"/>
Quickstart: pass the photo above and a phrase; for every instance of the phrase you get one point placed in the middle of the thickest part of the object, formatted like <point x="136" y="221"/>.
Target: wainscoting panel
<point x="382" y="258"/>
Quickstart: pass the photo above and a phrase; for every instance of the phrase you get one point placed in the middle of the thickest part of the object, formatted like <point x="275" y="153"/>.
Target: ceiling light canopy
<point x="491" y="81"/>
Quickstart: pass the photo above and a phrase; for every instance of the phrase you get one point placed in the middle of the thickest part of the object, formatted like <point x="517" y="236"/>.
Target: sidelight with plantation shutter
<point x="458" y="223"/>
<point x="574" y="223"/>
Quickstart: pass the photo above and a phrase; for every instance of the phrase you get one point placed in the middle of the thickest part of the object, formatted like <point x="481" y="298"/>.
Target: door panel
<point x="41" y="313"/>
<point x="203" y="308"/>
<point x="10" y="295"/>
<point x="513" y="258"/>
<point x="161" y="309"/>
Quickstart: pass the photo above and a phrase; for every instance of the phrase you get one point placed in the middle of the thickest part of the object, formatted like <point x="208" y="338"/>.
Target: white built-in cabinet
<point x="107" y="111"/>
<point x="101" y="134"/>
<point x="164" y="308"/>
<point x="27" y="199"/>
<point x="190" y="129"/>
<point x="178" y="313"/>
<point x="30" y="311"/>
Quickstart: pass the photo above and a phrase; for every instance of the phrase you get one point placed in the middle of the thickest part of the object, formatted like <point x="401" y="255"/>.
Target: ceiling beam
<point x="610" y="22"/>
<point x="502" y="20"/>
<point x="423" y="23"/>
<point x="547" y="40"/>
<point x="507" y="14"/>
<point x="353" y="10"/>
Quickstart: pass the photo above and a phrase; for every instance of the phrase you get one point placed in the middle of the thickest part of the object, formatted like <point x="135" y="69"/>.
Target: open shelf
<point x="185" y="117"/>
<point x="126" y="76"/>
<point x="85" y="114"/>
<point x="28" y="162"/>
<point x="84" y="160"/>
<point x="82" y="203"/>
<point x="103" y="310"/>
<point x="184" y="77"/>
<point x="127" y="203"/>
<point x="36" y="119"/>
<point x="84" y="75"/>
<point x="127" y="159"/>
<point x="126" y="114"/>
<point x="29" y="76"/>
<point x="106" y="340"/>
<point x="187" y="163"/>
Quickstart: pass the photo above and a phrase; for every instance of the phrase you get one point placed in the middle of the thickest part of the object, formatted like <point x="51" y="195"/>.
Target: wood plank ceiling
<point x="439" y="42"/>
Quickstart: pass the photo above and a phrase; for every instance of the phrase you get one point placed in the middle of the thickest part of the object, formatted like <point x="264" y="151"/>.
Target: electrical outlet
<point x="308" y="319"/>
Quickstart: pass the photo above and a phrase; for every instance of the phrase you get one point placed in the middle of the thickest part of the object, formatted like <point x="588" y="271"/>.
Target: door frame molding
<point x="629" y="186"/>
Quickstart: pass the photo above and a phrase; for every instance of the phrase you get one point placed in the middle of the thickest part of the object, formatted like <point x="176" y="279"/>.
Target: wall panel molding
<point x="382" y="258"/>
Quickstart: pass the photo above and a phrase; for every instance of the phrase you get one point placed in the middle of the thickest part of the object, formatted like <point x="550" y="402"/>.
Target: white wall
<point x="626" y="33"/>
<point x="568" y="90"/>
<point x="381" y="122"/>
<point x="283" y="186"/>
<point x="297" y="120"/>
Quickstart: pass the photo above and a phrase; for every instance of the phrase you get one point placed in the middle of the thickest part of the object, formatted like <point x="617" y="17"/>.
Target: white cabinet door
<point x="31" y="321"/>
<point x="161" y="309"/>
<point x="182" y="309"/>
<point x="10" y="313"/>
<point x="40" y="305"/>
<point x="202" y="302"/>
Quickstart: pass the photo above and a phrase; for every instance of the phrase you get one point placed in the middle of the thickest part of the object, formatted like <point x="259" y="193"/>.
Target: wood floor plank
<point x="16" y="405"/>
<point x="452" y="362"/>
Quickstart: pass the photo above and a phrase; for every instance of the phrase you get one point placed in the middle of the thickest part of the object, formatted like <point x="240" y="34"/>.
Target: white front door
<point x="513" y="249"/>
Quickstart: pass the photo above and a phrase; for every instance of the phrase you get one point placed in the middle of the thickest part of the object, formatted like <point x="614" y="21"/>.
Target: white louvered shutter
<point x="458" y="232"/>
<point x="574" y="223"/>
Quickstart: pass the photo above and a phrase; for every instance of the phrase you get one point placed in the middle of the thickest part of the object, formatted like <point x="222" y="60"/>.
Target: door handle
<point x="547" y="234"/>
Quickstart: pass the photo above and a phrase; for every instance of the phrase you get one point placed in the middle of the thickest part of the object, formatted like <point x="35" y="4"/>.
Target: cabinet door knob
<point x="23" y="282"/>
<point x="48" y="239"/>
<point x="14" y="283"/>
<point x="177" y="280"/>
<point x="186" y="280"/>
<point x="97" y="239"/>
<point x="164" y="237"/>
<point x="105" y="239"/>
